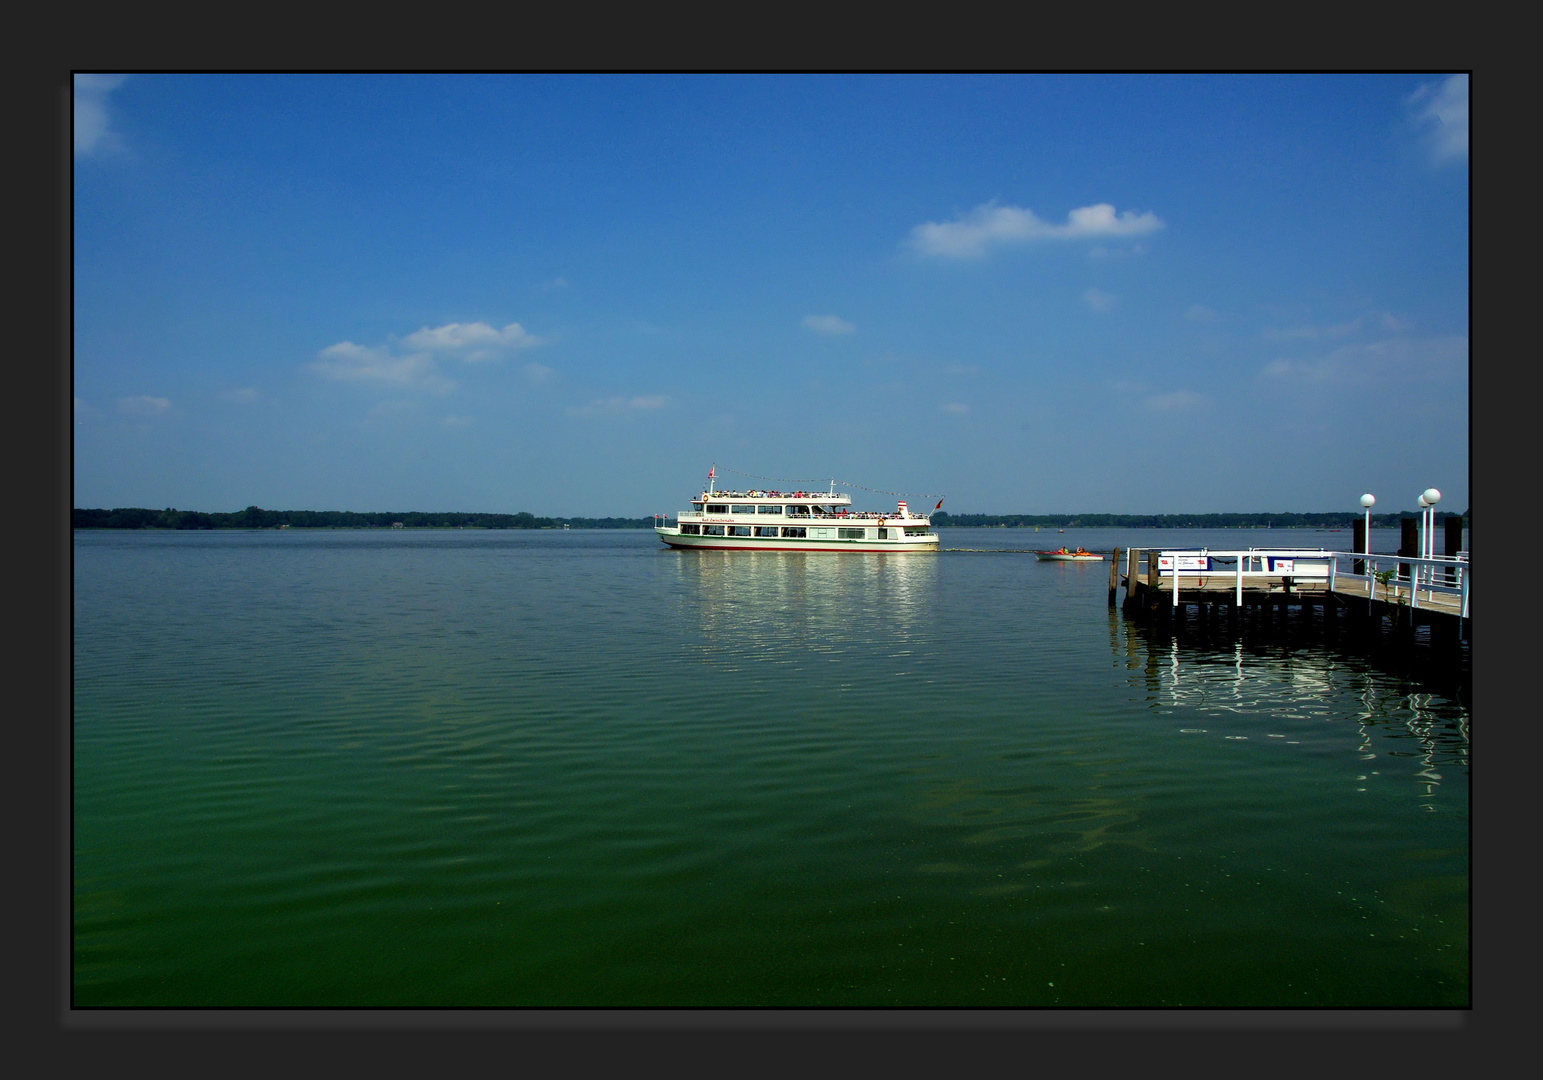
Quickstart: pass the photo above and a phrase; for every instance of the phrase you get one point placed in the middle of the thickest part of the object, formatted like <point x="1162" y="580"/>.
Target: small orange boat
<point x="1063" y="555"/>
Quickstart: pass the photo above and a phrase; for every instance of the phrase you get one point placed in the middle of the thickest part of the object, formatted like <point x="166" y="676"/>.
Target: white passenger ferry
<point x="794" y="521"/>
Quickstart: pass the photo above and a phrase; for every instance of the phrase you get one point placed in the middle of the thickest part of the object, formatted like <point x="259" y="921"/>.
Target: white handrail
<point x="1426" y="574"/>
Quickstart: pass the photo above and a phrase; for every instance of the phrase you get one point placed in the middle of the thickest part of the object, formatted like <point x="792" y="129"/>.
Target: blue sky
<point x="572" y="294"/>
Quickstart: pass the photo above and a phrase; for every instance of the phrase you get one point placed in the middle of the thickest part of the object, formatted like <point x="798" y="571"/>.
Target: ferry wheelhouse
<point x="794" y="521"/>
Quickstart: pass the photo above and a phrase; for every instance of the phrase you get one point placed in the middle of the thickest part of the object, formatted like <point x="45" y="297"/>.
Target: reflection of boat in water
<point x="794" y="521"/>
<point x="1064" y="555"/>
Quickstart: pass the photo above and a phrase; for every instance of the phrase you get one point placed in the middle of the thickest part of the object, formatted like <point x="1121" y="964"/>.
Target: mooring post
<point x="1154" y="580"/>
<point x="1454" y="543"/>
<point x="1408" y="544"/>
<point x="1358" y="543"/>
<point x="1114" y="575"/>
<point x="1132" y="560"/>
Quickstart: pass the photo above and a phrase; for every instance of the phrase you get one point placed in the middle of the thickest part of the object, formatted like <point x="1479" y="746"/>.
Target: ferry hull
<point x="674" y="538"/>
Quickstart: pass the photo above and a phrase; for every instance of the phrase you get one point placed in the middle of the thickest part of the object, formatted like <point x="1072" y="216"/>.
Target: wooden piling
<point x="1132" y="590"/>
<point x="1453" y="527"/>
<point x="1358" y="543"/>
<point x="1114" y="575"/>
<point x="1154" y="581"/>
<point x="1408" y="544"/>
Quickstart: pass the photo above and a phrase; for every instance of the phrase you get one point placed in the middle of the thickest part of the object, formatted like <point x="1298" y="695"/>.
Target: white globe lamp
<point x="1429" y="498"/>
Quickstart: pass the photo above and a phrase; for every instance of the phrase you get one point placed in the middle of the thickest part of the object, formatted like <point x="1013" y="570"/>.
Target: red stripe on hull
<point x="798" y="547"/>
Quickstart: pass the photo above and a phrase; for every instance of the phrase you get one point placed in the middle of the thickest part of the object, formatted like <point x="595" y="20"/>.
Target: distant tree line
<point x="1339" y="520"/>
<point x="256" y="518"/>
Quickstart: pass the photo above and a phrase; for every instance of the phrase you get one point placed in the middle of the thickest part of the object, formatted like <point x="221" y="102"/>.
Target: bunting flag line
<point x="833" y="480"/>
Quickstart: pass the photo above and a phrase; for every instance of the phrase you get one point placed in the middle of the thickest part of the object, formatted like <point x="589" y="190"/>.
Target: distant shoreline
<point x="256" y="518"/>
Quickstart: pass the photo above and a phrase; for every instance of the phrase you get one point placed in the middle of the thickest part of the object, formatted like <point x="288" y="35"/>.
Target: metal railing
<point x="1402" y="577"/>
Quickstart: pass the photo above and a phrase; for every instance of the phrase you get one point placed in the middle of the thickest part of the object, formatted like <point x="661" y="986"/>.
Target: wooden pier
<point x="1414" y="611"/>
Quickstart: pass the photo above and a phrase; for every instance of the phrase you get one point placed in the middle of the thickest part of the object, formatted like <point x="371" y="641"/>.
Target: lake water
<point x="577" y="768"/>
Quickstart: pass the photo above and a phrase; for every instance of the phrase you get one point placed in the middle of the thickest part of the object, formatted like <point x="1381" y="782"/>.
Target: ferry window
<point x="883" y="534"/>
<point x="914" y="531"/>
<point x="691" y="530"/>
<point x="717" y="508"/>
<point x="851" y="534"/>
<point x="739" y="530"/>
<point x="766" y="530"/>
<point x="799" y="511"/>
<point x="712" y="530"/>
<point x="768" y="509"/>
<point x="744" y="508"/>
<point x="799" y="532"/>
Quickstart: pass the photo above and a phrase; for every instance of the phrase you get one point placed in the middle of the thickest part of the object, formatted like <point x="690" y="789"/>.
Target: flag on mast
<point x="935" y="508"/>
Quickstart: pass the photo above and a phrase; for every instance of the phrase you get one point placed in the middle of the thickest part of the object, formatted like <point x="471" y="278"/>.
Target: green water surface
<point x="534" y="768"/>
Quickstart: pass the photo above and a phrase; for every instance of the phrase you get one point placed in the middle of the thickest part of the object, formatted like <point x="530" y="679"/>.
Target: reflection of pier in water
<point x="1249" y="689"/>
<point x="1405" y="614"/>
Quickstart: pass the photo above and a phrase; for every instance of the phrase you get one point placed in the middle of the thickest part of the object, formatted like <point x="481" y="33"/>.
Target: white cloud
<point x="348" y="362"/>
<point x="412" y="360"/>
<point x="537" y="373"/>
<point x="958" y="408"/>
<point x="1176" y="401"/>
<point x="1098" y="300"/>
<point x="968" y="236"/>
<point x="1371" y="321"/>
<point x="471" y="341"/>
<point x="1392" y="361"/>
<point x="1442" y="110"/>
<point x="613" y="406"/>
<point x="1099" y="251"/>
<point x="93" y="125"/>
<point x="828" y="324"/>
<point x="143" y="406"/>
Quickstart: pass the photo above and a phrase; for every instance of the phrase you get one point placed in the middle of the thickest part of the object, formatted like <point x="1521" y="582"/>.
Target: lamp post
<point x="1368" y="500"/>
<point x="1428" y="499"/>
<point x="1424" y="529"/>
